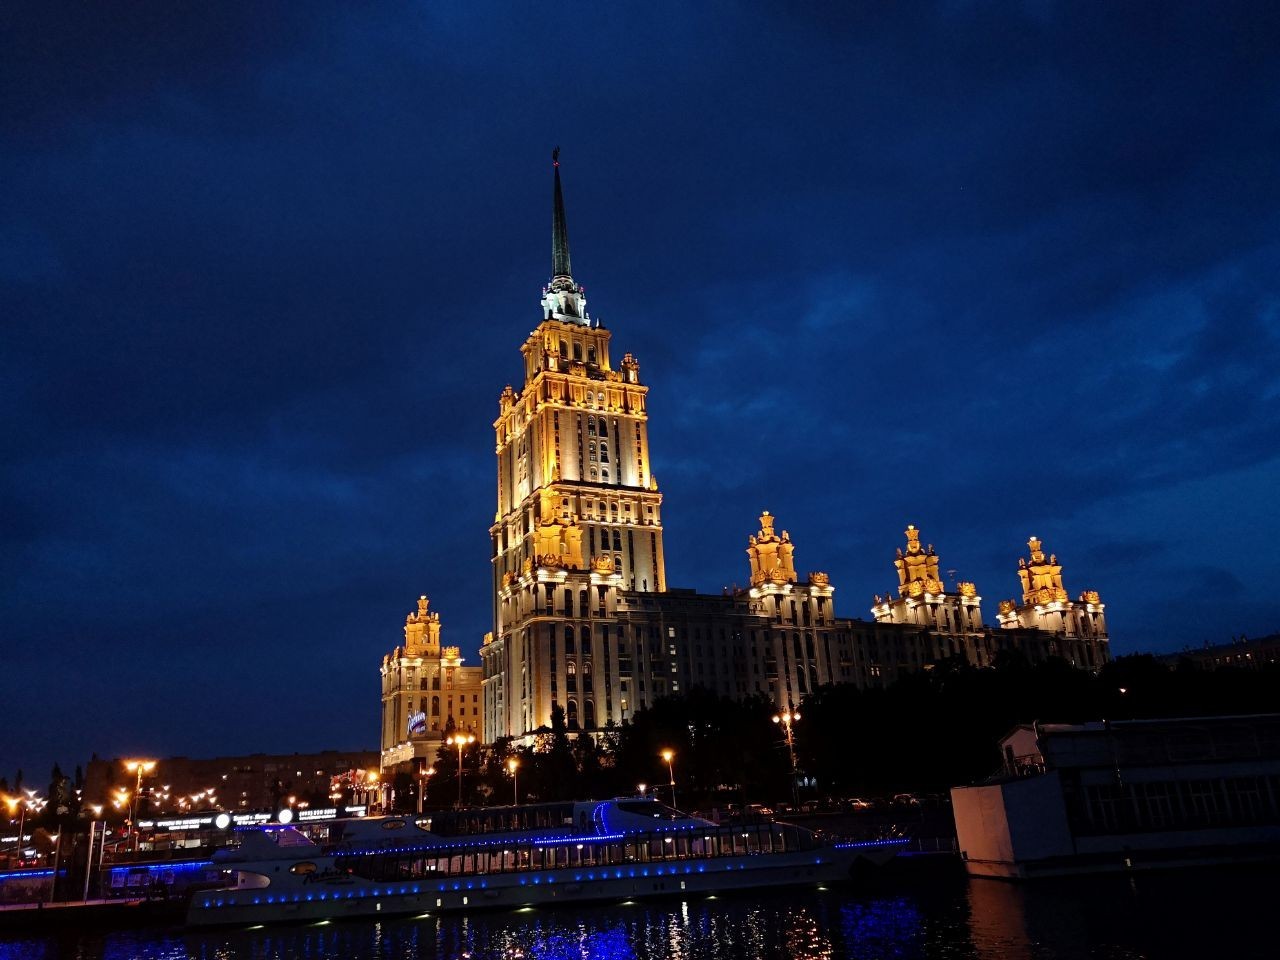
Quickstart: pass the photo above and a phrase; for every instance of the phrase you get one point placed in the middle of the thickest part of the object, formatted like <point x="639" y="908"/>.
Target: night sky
<point x="992" y="269"/>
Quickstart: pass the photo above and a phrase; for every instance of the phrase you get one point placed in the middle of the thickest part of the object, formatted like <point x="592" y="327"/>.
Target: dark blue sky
<point x="993" y="269"/>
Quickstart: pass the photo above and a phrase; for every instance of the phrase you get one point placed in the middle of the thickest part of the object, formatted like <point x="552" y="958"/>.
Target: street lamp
<point x="460" y="741"/>
<point x="17" y="803"/>
<point x="669" y="756"/>
<point x="140" y="767"/>
<point x="513" y="764"/>
<point x="423" y="779"/>
<point x="787" y="718"/>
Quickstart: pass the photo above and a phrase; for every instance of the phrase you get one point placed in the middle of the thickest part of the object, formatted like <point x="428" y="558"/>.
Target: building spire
<point x="560" y="266"/>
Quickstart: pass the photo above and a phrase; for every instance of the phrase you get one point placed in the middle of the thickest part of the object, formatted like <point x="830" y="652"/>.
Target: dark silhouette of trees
<point x="926" y="732"/>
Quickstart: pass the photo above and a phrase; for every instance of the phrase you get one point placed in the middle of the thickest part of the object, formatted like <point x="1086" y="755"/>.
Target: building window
<point x="571" y="714"/>
<point x="589" y="714"/>
<point x="569" y="644"/>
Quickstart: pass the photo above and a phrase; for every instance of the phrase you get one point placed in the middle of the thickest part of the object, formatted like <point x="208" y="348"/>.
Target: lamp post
<point x="139" y="767"/>
<point x="460" y="740"/>
<point x="88" y="864"/>
<point x="423" y="778"/>
<point x="513" y="764"/>
<point x="17" y="803"/>
<point x="669" y="756"/>
<point x="787" y="718"/>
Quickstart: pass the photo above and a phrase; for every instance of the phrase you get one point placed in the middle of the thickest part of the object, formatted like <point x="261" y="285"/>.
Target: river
<point x="1202" y="914"/>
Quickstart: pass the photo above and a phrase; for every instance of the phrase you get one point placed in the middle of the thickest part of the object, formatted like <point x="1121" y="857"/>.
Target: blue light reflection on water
<point x="934" y="918"/>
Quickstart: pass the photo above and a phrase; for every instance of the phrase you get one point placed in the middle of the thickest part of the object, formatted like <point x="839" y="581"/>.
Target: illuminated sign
<point x="318" y="813"/>
<point x="417" y="724"/>
<point x="250" y="819"/>
<point x="183" y="823"/>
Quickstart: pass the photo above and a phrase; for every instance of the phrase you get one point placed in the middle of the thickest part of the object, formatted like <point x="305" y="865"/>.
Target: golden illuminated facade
<point x="426" y="691"/>
<point x="583" y="617"/>
<point x="575" y="486"/>
<point x="1047" y="606"/>
<point x="923" y="599"/>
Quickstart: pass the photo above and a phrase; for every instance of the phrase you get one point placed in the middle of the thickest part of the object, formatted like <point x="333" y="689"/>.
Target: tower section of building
<point x="579" y="512"/>
<point x="1080" y="625"/>
<point x="952" y="618"/>
<point x="426" y="692"/>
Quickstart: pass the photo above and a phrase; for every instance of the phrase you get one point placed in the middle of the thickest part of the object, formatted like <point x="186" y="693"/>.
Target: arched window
<point x="577" y="350"/>
<point x="591" y="449"/>
<point x="591" y="354"/>
<point x="593" y="473"/>
<point x="435" y="706"/>
<point x="571" y="714"/>
<point x="564" y="349"/>
<point x="604" y="476"/>
<point x="589" y="714"/>
<point x="569" y="646"/>
<point x="591" y="426"/>
<point x="600" y="399"/>
<point x="604" y="452"/>
<point x="617" y="539"/>
<point x="570" y="669"/>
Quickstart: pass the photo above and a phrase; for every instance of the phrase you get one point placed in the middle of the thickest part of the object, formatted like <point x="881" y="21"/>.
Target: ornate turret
<point x="1046" y="605"/>
<point x="772" y="557"/>
<point x="562" y="299"/>
<point x="1041" y="578"/>
<point x="922" y="596"/>
<point x="917" y="568"/>
<point x="422" y="631"/>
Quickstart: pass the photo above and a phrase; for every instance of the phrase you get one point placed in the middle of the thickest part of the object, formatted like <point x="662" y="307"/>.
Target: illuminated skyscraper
<point x="583" y="617"/>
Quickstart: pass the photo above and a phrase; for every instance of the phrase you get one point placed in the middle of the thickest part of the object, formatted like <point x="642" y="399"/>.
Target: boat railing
<point x="494" y="857"/>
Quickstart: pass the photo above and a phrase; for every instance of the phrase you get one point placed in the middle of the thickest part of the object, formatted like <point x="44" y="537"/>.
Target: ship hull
<point x="356" y="898"/>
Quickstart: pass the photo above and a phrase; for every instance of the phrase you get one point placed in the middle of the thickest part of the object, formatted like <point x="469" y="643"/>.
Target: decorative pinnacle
<point x="560" y="265"/>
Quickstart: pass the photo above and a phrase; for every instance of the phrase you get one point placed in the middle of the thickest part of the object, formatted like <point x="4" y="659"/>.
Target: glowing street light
<point x="140" y="767"/>
<point x="17" y="803"/>
<point x="669" y="756"/>
<point x="460" y="740"/>
<point x="513" y="765"/>
<point x="787" y="718"/>
<point x="423" y="779"/>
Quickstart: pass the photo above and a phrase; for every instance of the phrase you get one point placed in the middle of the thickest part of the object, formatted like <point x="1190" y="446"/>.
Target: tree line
<point x="924" y="733"/>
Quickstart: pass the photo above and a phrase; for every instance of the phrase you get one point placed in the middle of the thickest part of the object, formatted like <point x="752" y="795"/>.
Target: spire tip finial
<point x="555" y="156"/>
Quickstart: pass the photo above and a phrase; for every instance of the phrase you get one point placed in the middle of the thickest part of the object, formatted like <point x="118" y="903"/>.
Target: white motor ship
<point x="508" y="857"/>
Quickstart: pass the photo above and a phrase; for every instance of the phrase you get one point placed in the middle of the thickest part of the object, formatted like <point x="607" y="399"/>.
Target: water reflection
<point x="930" y="915"/>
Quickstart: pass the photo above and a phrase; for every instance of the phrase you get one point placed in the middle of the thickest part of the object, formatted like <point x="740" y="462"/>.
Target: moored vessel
<point x="624" y="848"/>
